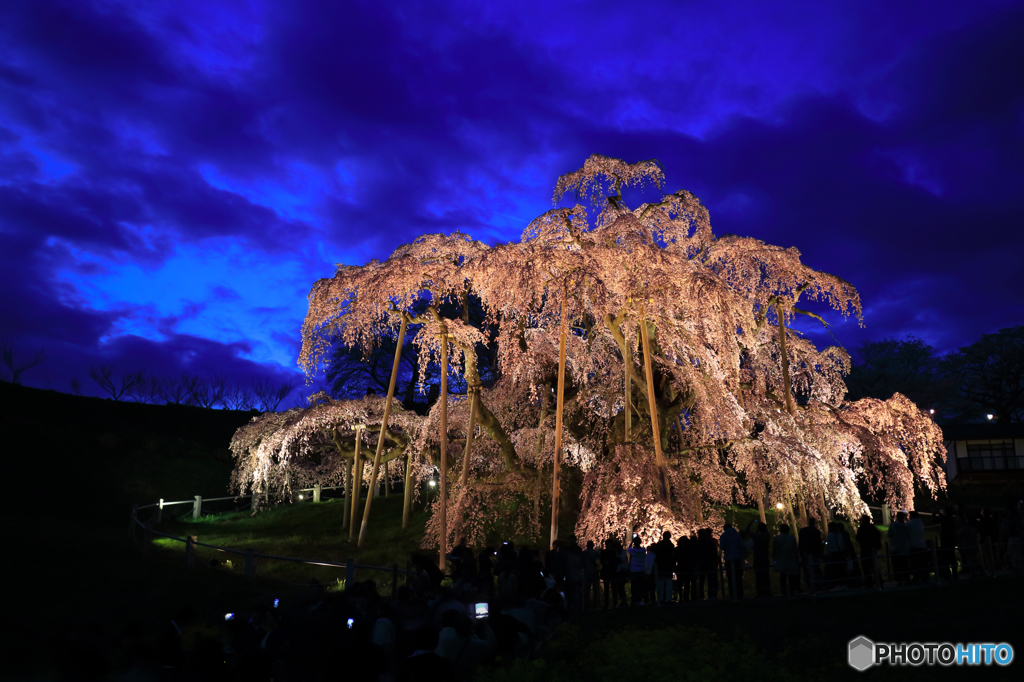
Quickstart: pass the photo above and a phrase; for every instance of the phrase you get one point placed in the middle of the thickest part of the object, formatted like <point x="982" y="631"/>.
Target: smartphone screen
<point x="480" y="610"/>
<point x="350" y="622"/>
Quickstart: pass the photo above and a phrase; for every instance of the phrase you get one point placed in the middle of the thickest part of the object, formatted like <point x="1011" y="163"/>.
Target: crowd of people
<point x="498" y="603"/>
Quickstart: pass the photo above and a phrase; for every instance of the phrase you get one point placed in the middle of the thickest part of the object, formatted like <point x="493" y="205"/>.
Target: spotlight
<point x="779" y="506"/>
<point x="300" y="497"/>
<point x="989" y="416"/>
<point x="932" y="411"/>
<point x="433" y="484"/>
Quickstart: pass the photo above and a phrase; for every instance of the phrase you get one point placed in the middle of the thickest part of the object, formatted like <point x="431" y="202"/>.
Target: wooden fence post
<point x="350" y="572"/>
<point x="250" y="564"/>
<point x="197" y="507"/>
<point x="316" y="492"/>
<point x="190" y="550"/>
<point x="160" y="512"/>
<point x="886" y="515"/>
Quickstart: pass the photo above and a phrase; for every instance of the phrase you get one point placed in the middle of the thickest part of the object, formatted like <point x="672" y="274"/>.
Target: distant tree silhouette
<point x="268" y="395"/>
<point x="15" y="368"/>
<point x="988" y="377"/>
<point x="908" y="366"/>
<point x="116" y="386"/>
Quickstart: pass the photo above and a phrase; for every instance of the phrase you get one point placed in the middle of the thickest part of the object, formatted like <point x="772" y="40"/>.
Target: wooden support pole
<point x="197" y="507"/>
<point x="190" y="550"/>
<point x="407" y="492"/>
<point x="347" y="507"/>
<point x="653" y="404"/>
<point x="760" y="510"/>
<point x="387" y="479"/>
<point x="357" y="485"/>
<point x="559" y="404"/>
<point x="316" y="492"/>
<point x="785" y="359"/>
<point x="627" y="359"/>
<point x="383" y="429"/>
<point x="474" y="396"/>
<point x="444" y="447"/>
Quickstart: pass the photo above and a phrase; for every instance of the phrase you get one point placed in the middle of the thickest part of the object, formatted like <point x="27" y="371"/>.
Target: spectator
<point x="760" y="541"/>
<point x="899" y="547"/>
<point x="988" y="536"/>
<point x="425" y="665"/>
<point x="918" y="548"/>
<point x="706" y="556"/>
<point x="870" y="541"/>
<point x="591" y="577"/>
<point x="787" y="561"/>
<point x="458" y="643"/>
<point x="609" y="568"/>
<point x="967" y="540"/>
<point x="835" y="557"/>
<point x="664" y="567"/>
<point x="733" y="550"/>
<point x="686" y="570"/>
<point x="574" y="579"/>
<point x="637" y="578"/>
<point x="811" y="552"/>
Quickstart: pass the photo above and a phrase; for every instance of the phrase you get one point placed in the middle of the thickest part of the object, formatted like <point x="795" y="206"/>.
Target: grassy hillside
<point x="98" y="456"/>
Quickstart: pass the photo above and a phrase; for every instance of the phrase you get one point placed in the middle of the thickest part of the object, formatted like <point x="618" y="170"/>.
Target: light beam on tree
<point x="383" y="429"/>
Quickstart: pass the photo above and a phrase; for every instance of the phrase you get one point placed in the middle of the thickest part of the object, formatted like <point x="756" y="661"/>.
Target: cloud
<point x="174" y="178"/>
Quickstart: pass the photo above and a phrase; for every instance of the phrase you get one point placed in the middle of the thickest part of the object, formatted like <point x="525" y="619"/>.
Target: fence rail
<point x="135" y="524"/>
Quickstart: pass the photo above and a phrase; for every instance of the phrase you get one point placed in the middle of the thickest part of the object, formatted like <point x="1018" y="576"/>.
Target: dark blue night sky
<point x="174" y="176"/>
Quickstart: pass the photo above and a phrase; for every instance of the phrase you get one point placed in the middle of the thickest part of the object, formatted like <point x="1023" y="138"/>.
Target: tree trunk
<point x="653" y="405"/>
<point x="785" y="359"/>
<point x="383" y="430"/>
<point x="444" y="446"/>
<point x="474" y="397"/>
<point x="560" y="402"/>
<point x="627" y="361"/>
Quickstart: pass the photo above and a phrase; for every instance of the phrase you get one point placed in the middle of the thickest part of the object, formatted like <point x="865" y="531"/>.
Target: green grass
<point x="305" y="530"/>
<point x="788" y="641"/>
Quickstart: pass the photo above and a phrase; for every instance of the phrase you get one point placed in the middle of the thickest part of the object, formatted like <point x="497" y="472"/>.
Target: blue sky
<point x="174" y="176"/>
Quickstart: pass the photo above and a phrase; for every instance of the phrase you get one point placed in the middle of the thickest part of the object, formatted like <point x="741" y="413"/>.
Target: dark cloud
<point x="144" y="150"/>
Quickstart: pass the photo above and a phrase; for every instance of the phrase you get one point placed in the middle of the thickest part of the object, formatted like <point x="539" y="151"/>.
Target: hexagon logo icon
<point x="862" y="653"/>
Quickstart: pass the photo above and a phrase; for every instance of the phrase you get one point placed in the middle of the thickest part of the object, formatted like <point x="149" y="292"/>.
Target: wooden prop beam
<point x="357" y="483"/>
<point x="659" y="458"/>
<point x="556" y="472"/>
<point x="444" y="446"/>
<point x="407" y="491"/>
<point x="383" y="429"/>
<point x="346" y="515"/>
<point x="627" y="358"/>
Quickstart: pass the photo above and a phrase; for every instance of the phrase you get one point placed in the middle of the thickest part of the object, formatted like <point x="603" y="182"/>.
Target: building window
<point x="990" y="455"/>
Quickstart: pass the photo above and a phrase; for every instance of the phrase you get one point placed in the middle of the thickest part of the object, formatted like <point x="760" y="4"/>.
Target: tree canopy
<point x="744" y="407"/>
